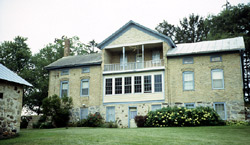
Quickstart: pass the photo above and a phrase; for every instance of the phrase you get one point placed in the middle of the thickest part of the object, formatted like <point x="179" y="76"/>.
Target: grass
<point x="171" y="135"/>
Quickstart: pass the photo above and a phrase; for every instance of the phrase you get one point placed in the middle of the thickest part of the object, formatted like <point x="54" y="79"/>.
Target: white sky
<point x="44" y="20"/>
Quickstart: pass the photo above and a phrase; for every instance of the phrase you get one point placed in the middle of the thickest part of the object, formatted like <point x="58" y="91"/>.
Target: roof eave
<point x="71" y="65"/>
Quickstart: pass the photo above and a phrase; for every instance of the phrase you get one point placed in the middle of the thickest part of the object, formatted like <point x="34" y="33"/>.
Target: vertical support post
<point x="123" y="57"/>
<point x="142" y="47"/>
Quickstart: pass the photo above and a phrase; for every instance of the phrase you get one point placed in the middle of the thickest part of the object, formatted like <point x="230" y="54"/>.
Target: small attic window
<point x="64" y="72"/>
<point x="15" y="88"/>
<point x="1" y="95"/>
<point x="215" y="58"/>
<point x="188" y="60"/>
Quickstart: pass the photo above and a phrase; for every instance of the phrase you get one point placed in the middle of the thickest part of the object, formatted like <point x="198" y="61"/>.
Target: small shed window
<point x="1" y="95"/>
<point x="215" y="58"/>
<point x="188" y="60"/>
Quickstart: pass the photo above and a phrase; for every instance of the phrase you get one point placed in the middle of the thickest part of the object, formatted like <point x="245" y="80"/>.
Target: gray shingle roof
<point x="223" y="45"/>
<point x="76" y="61"/>
<point x="8" y="75"/>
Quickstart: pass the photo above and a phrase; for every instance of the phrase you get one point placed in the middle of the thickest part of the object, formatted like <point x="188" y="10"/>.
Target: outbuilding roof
<point x="223" y="45"/>
<point x="130" y="24"/>
<point x="76" y="61"/>
<point x="8" y="75"/>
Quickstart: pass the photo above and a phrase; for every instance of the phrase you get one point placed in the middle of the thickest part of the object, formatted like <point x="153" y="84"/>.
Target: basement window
<point x="1" y="95"/>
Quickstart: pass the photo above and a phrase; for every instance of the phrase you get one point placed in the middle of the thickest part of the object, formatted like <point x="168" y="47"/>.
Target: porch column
<point x="142" y="47"/>
<point x="123" y="57"/>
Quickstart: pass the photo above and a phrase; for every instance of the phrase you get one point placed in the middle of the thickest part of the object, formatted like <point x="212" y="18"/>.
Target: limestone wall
<point x="10" y="106"/>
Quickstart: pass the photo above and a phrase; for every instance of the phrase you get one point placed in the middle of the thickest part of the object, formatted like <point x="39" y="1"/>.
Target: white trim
<point x="131" y="71"/>
<point x="133" y="44"/>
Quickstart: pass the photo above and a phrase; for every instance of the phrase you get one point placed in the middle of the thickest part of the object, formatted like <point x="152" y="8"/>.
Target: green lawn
<point x="171" y="135"/>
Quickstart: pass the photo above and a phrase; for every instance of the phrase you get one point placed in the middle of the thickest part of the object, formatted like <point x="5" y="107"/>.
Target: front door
<point x="132" y="113"/>
<point x="139" y="63"/>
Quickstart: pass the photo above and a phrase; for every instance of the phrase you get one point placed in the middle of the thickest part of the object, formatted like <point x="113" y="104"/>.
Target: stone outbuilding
<point x="11" y="96"/>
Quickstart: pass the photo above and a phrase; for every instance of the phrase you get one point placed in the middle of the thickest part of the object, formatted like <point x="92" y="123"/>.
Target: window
<point x="188" y="60"/>
<point x="125" y="61"/>
<point x="84" y="113"/>
<point x="215" y="58"/>
<point x="188" y="80"/>
<point x="147" y="84"/>
<point x="118" y="85"/>
<point x="137" y="83"/>
<point x="155" y="107"/>
<point x="110" y="114"/>
<point x="158" y="83"/>
<point x="128" y="85"/>
<point x="64" y="90"/>
<point x="1" y="95"/>
<point x="220" y="108"/>
<point x="108" y="87"/>
<point x="217" y="79"/>
<point x="64" y="72"/>
<point x="85" y="69"/>
<point x="84" y="87"/>
<point x="156" y="57"/>
<point x="189" y="105"/>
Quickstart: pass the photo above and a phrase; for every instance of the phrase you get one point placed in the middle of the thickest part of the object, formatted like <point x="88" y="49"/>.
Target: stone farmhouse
<point x="11" y="96"/>
<point x="139" y="70"/>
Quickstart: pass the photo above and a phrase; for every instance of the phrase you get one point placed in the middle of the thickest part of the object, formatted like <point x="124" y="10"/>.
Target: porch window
<point x="64" y="90"/>
<point x="158" y="83"/>
<point x="156" y="57"/>
<point x="118" y="85"/>
<point x="125" y="61"/>
<point x="147" y="84"/>
<point x="137" y="83"/>
<point x="128" y="85"/>
<point x="217" y="79"/>
<point x="108" y="86"/>
<point x="220" y="109"/>
<point x="84" y="87"/>
<point x="84" y="113"/>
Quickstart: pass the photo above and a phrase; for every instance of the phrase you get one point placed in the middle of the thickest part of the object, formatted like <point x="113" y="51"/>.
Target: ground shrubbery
<point x="140" y="120"/>
<point x="174" y="116"/>
<point x="237" y="123"/>
<point x="93" y="120"/>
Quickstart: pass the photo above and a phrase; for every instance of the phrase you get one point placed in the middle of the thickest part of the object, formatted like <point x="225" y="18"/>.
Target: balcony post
<point x="142" y="47"/>
<point x="123" y="57"/>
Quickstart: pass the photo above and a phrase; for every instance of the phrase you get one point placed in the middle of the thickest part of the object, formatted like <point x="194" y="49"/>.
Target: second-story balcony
<point x="134" y="65"/>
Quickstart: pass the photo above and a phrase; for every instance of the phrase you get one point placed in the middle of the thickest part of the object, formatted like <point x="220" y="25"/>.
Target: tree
<point x="191" y="29"/>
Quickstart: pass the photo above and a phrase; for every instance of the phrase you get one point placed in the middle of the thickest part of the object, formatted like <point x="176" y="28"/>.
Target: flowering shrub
<point x="93" y="120"/>
<point x="174" y="116"/>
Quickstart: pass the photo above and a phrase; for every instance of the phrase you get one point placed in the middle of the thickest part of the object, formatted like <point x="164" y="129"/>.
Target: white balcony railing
<point x="134" y="65"/>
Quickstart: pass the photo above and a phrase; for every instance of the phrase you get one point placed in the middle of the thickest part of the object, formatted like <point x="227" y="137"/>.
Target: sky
<point x="41" y="21"/>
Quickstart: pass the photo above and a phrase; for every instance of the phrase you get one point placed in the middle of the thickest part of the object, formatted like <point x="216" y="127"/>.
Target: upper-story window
<point x="85" y="87"/>
<point x="217" y="79"/>
<point x="137" y="84"/>
<point x="64" y="72"/>
<point x="215" y="58"/>
<point x="125" y="60"/>
<point x="85" y="69"/>
<point x="158" y="83"/>
<point x="188" y="60"/>
<point x="156" y="56"/>
<point x="118" y="85"/>
<point x="108" y="86"/>
<point x="128" y="85"/>
<point x="64" y="90"/>
<point x="147" y="84"/>
<point x="188" y="80"/>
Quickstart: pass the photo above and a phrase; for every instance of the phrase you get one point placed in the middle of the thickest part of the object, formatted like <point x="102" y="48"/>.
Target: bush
<point x="174" y="116"/>
<point x="237" y="123"/>
<point x="93" y="120"/>
<point x="43" y="123"/>
<point x="140" y="120"/>
<point x="25" y="121"/>
<point x="110" y="125"/>
<point x="58" y="109"/>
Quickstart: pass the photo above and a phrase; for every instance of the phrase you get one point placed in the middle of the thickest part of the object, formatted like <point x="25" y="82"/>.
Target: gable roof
<point x="131" y="23"/>
<point x="8" y="75"/>
<point x="223" y="45"/>
<point x="76" y="61"/>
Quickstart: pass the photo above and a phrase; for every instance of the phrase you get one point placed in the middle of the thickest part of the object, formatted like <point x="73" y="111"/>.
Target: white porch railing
<point x="134" y="65"/>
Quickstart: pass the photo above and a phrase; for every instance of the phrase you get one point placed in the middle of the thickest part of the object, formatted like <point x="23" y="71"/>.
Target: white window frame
<point x="111" y="86"/>
<point x="225" y="109"/>
<point x="147" y="84"/>
<point x="85" y="69"/>
<point x="61" y="85"/>
<point x="184" y="82"/>
<point x="84" y="80"/>
<point x="217" y="70"/>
